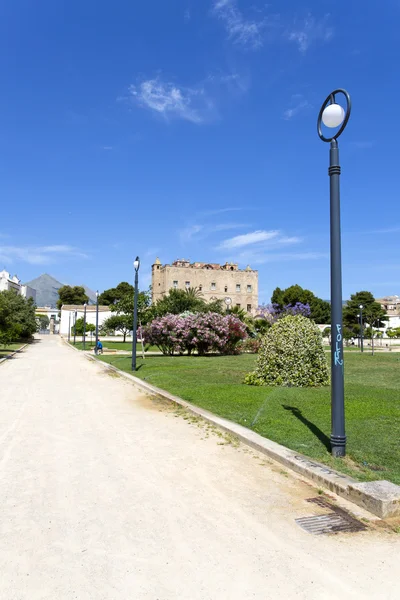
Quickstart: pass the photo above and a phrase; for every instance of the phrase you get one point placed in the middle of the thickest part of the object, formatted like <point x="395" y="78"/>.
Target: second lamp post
<point x="136" y="265"/>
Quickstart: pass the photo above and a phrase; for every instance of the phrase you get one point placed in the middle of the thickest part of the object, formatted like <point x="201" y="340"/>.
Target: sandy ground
<point x="105" y="494"/>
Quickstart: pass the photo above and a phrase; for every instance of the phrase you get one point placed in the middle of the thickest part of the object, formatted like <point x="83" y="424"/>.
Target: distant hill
<point x="47" y="288"/>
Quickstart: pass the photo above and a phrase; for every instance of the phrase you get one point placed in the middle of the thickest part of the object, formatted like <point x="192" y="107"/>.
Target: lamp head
<point x="361" y="306"/>
<point x="136" y="263"/>
<point x="228" y="301"/>
<point x="333" y="115"/>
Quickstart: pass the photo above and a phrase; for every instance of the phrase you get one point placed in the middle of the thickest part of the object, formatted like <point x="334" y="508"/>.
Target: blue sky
<point x="187" y="128"/>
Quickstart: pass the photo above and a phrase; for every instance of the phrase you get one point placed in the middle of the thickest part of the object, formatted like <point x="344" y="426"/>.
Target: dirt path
<point x="106" y="495"/>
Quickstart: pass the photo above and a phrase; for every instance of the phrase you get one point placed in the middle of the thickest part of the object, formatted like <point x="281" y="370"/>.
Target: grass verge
<point x="9" y="349"/>
<point x="298" y="418"/>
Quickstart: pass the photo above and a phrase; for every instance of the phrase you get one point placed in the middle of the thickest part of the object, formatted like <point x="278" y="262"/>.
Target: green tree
<point x="113" y="295"/>
<point x="177" y="302"/>
<point x="122" y="323"/>
<point x="17" y="317"/>
<point x="125" y="306"/>
<point x="71" y="295"/>
<point x="320" y="309"/>
<point x="373" y="313"/>
<point x="43" y="322"/>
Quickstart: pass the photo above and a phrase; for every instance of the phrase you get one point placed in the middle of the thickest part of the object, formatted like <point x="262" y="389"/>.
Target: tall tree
<point x="373" y="313"/>
<point x="122" y="323"/>
<point x="113" y="295"/>
<point x="17" y="317"/>
<point x="295" y="294"/>
<point x="71" y="295"/>
<point x="125" y="305"/>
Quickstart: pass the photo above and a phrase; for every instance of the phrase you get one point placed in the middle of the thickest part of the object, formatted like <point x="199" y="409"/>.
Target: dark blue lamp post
<point x="361" y="328"/>
<point x="84" y="326"/>
<point x="136" y="265"/>
<point x="97" y="322"/>
<point x="332" y="115"/>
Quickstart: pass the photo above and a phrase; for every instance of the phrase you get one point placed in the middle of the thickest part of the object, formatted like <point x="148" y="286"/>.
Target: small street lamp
<point x="361" y="328"/>
<point x="228" y="302"/>
<point x="76" y="312"/>
<point x="84" y="326"/>
<point x="97" y="322"/>
<point x="69" y="326"/>
<point x="136" y="265"/>
<point x="332" y="115"/>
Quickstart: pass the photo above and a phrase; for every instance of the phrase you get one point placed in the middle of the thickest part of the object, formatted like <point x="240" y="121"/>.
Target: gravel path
<point x="107" y="495"/>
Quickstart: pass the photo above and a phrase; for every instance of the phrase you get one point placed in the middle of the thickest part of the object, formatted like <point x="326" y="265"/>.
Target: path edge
<point x="381" y="498"/>
<point x="2" y="360"/>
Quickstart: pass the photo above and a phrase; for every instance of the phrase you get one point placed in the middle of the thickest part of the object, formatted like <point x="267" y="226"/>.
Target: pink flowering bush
<point x="201" y="332"/>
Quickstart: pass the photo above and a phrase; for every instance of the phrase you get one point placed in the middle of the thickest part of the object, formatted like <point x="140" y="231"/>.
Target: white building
<point x="8" y="283"/>
<point x="68" y="315"/>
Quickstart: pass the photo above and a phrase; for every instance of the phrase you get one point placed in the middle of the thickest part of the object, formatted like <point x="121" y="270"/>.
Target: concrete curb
<point x="2" y="360"/>
<point x="381" y="498"/>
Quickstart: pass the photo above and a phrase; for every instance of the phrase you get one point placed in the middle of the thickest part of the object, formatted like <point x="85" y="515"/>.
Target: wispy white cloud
<point x="39" y="255"/>
<point x="220" y="211"/>
<point x="309" y="31"/>
<point x="298" y="104"/>
<point x="187" y="15"/>
<point x="202" y="231"/>
<point x="240" y="30"/>
<point x="260" y="238"/>
<point x="170" y="100"/>
<point x="247" y="239"/>
<point x="107" y="148"/>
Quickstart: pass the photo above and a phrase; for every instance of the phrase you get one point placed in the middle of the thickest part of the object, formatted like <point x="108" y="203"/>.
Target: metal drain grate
<point x="336" y="521"/>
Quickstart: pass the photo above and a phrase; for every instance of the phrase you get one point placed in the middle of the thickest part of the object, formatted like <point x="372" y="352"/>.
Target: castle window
<point x="249" y="308"/>
<point x="238" y="287"/>
<point x="238" y="305"/>
<point x="249" y="289"/>
<point x="200" y="287"/>
<point x="213" y="286"/>
<point x="226" y="288"/>
<point x="187" y="284"/>
<point x="175" y="284"/>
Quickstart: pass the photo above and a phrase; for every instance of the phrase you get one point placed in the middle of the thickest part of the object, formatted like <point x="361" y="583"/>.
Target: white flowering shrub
<point x="291" y="354"/>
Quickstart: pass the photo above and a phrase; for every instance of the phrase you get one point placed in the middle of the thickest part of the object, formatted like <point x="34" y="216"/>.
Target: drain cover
<point x="337" y="521"/>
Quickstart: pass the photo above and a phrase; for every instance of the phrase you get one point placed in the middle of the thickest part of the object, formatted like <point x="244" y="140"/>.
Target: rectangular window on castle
<point x="175" y="284"/>
<point x="187" y="284"/>
<point x="213" y="286"/>
<point x="249" y="289"/>
<point x="238" y="287"/>
<point x="249" y="308"/>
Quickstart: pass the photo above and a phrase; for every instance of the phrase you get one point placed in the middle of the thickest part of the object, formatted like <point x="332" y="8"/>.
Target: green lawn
<point x="113" y="346"/>
<point x="298" y="418"/>
<point x="5" y="351"/>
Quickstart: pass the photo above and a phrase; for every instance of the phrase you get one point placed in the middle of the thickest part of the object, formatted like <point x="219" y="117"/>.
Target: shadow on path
<point x="311" y="426"/>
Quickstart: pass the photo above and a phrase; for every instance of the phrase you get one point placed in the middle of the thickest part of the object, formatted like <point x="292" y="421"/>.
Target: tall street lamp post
<point x="136" y="265"/>
<point x="228" y="302"/>
<point x="359" y="337"/>
<point x="75" y="328"/>
<point x="97" y="322"/>
<point x="333" y="115"/>
<point x="84" y="326"/>
<point x="69" y="326"/>
<point x="361" y="328"/>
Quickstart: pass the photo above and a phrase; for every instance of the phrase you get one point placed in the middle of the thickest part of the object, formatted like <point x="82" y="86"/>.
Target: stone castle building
<point x="212" y="280"/>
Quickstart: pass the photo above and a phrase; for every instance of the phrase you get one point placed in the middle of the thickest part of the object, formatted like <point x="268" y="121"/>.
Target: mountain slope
<point x="47" y="288"/>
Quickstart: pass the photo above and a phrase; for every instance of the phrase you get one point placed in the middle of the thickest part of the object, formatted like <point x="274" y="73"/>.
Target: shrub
<point x="202" y="332"/>
<point x="251" y="345"/>
<point x="291" y="354"/>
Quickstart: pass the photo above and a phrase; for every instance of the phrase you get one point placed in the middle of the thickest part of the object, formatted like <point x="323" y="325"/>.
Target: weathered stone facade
<point x="213" y="280"/>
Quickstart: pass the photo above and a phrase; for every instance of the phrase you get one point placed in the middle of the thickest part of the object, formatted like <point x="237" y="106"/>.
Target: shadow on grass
<point x="311" y="426"/>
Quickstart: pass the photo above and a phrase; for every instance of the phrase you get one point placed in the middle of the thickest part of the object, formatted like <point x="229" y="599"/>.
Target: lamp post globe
<point x="136" y="266"/>
<point x="333" y="116"/>
<point x="228" y="302"/>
